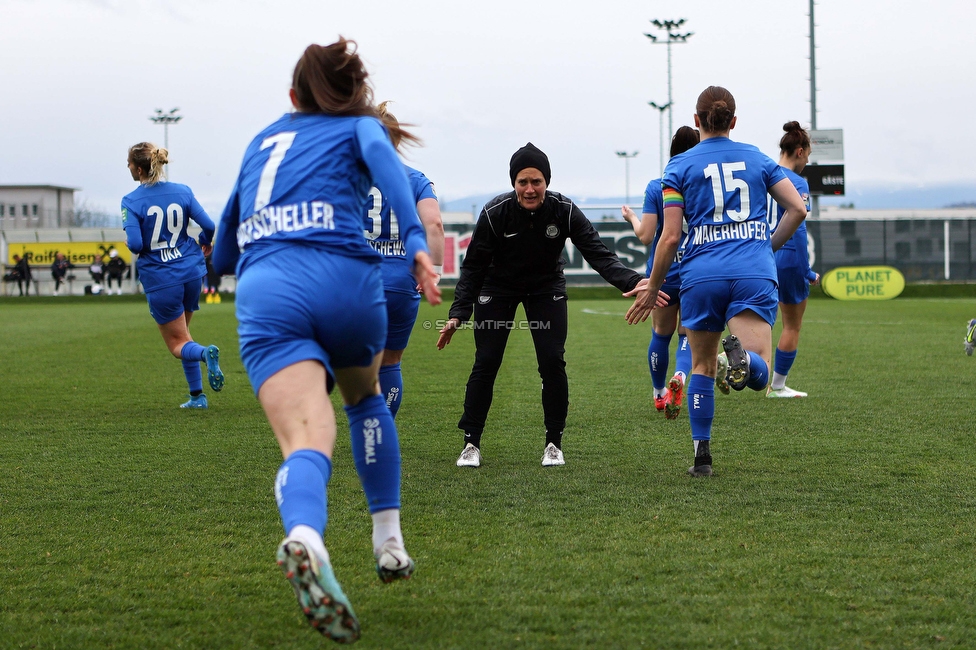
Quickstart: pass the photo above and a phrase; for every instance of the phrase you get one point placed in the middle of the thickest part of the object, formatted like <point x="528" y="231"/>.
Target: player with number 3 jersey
<point x="309" y="299"/>
<point x="171" y="265"/>
<point x="728" y="273"/>
<point x="382" y="229"/>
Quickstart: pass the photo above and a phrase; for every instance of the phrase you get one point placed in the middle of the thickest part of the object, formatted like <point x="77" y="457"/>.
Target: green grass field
<point x="845" y="520"/>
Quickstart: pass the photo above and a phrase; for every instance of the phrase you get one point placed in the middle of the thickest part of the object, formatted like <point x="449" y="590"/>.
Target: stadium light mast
<point x="166" y="119"/>
<point x="815" y="200"/>
<point x="660" y="127"/>
<point x="670" y="28"/>
<point x="627" y="156"/>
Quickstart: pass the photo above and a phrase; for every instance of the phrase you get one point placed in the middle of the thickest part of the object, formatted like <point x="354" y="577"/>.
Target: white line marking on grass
<point x="604" y="313"/>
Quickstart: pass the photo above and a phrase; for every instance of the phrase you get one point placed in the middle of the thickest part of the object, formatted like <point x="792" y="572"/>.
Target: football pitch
<point x="843" y="520"/>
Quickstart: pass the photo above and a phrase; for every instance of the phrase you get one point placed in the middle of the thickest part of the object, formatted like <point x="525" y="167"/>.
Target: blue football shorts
<point x="794" y="287"/>
<point x="169" y="303"/>
<point x="708" y="306"/>
<point x="307" y="304"/>
<point x="401" y="314"/>
<point x="671" y="286"/>
<point x="402" y="302"/>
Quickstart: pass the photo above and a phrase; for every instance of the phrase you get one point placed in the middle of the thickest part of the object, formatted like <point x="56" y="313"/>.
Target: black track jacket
<point x="514" y="252"/>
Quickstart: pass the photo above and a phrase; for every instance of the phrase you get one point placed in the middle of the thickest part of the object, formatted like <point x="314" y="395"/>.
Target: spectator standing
<point x="22" y="272"/>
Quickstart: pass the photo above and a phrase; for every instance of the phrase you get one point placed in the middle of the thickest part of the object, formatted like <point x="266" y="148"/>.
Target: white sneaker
<point x="785" y="391"/>
<point x="552" y="456"/>
<point x="470" y="457"/>
<point x="392" y="562"/>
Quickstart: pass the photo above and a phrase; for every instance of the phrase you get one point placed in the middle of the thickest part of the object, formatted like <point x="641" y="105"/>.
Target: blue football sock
<point x="376" y="452"/>
<point x="193" y="375"/>
<point x="784" y="361"/>
<point x="682" y="361"/>
<point x="758" y="372"/>
<point x="701" y="406"/>
<point x="391" y="387"/>
<point x="300" y="488"/>
<point x="657" y="359"/>
<point x="192" y="351"/>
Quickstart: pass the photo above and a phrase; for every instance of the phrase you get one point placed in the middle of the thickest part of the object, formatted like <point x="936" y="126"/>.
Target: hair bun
<point x="792" y="126"/>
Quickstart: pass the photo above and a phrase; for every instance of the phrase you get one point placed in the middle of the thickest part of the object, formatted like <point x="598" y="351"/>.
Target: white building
<point x="36" y="206"/>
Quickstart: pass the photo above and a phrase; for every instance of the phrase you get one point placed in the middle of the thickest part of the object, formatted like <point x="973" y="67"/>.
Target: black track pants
<point x="493" y="321"/>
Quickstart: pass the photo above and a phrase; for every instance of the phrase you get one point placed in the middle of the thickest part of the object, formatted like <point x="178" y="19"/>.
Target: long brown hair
<point x="332" y="79"/>
<point x="715" y="109"/>
<point x="393" y="126"/>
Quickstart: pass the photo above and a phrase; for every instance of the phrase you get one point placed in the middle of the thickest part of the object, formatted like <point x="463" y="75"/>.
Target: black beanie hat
<point x="529" y="156"/>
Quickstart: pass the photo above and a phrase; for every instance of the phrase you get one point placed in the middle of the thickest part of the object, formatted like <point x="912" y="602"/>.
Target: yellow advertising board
<point x="863" y="283"/>
<point x="78" y="253"/>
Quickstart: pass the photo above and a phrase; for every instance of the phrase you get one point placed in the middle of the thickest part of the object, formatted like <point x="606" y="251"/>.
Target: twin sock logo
<point x="372" y="436"/>
<point x="281" y="480"/>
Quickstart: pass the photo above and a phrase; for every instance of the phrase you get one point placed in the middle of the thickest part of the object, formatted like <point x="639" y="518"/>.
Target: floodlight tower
<point x="627" y="156"/>
<point x="815" y="200"/>
<point x="660" y="127"/>
<point x="670" y="28"/>
<point x="166" y="119"/>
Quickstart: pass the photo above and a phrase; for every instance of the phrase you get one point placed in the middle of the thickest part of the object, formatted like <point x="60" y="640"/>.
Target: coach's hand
<point x="447" y="332"/>
<point x="646" y="299"/>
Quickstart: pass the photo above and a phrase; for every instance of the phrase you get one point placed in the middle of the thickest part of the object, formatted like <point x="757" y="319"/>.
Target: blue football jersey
<point x="798" y="242"/>
<point x="304" y="180"/>
<point x="654" y="204"/>
<point x="723" y="186"/>
<point x="155" y="218"/>
<point x="382" y="230"/>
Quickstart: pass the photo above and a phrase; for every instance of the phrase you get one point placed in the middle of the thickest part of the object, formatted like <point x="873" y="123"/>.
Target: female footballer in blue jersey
<point x="170" y="265"/>
<point x="668" y="393"/>
<point x="792" y="261"/>
<point x="400" y="287"/>
<point x="310" y="299"/>
<point x="728" y="273"/>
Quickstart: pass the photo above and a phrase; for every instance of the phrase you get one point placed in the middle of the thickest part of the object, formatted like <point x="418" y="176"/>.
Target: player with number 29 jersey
<point x="723" y="186"/>
<point x="155" y="218"/>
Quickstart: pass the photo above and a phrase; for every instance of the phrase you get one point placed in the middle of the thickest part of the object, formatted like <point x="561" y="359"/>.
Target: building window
<point x="13" y="210"/>
<point x="848" y="228"/>
<point x="923" y="247"/>
<point x="903" y="250"/>
<point x="852" y="247"/>
<point x="903" y="226"/>
<point x="24" y="210"/>
<point x="34" y="209"/>
<point x="2" y="208"/>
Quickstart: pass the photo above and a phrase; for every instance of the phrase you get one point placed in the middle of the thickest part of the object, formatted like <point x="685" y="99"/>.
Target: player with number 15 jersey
<point x="724" y="186"/>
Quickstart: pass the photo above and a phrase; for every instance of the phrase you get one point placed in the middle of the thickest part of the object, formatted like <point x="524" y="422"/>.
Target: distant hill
<point x="867" y="197"/>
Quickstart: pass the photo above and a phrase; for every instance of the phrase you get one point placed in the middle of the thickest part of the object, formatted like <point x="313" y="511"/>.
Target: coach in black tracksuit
<point x="515" y="257"/>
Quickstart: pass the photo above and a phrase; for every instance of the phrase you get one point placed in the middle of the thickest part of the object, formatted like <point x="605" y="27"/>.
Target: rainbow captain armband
<point x="673" y="198"/>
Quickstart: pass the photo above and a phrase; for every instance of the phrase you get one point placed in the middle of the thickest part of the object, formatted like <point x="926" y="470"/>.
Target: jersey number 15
<point x="725" y="183"/>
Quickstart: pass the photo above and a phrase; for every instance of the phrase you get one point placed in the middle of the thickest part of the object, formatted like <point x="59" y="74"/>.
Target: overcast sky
<point x="80" y="78"/>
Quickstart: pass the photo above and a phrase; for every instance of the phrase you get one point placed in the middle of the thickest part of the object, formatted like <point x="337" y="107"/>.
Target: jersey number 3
<point x="725" y="183"/>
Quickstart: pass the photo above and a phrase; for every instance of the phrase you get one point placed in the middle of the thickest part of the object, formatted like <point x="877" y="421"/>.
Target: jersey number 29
<point x="173" y="217"/>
